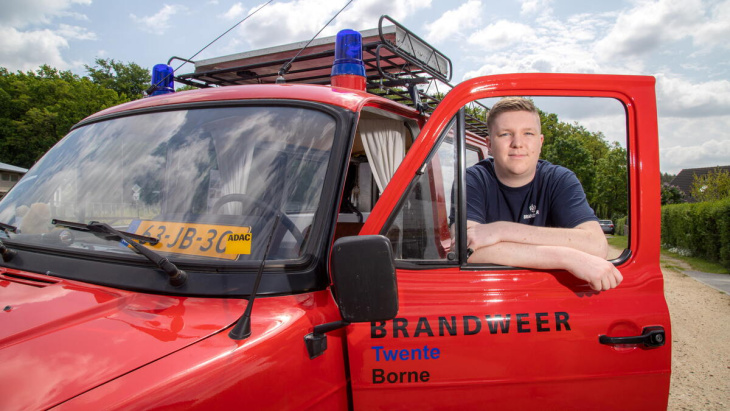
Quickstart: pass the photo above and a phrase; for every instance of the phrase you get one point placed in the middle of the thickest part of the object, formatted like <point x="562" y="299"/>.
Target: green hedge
<point x="620" y="226"/>
<point x="701" y="228"/>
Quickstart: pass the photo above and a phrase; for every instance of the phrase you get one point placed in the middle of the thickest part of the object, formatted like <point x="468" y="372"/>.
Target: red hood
<point x="60" y="338"/>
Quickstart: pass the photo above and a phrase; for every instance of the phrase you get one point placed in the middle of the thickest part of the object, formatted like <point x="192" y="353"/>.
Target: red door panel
<point x="476" y="338"/>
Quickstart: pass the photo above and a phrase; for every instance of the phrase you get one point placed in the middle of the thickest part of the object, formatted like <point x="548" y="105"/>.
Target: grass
<point x="696" y="263"/>
<point x="619" y="241"/>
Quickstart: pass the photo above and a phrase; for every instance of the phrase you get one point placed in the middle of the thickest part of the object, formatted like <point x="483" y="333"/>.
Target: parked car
<point x="607" y="226"/>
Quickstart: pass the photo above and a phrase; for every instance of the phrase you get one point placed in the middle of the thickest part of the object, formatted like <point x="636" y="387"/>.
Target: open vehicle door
<point x="474" y="336"/>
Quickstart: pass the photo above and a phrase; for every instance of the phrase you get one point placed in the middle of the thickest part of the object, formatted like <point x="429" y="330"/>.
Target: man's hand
<point x="599" y="273"/>
<point x="483" y="235"/>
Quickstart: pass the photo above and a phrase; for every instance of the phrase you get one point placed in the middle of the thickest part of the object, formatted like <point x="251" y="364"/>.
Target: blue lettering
<point x="424" y="353"/>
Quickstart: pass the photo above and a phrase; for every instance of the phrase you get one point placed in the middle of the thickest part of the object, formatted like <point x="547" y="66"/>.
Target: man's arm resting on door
<point x="596" y="271"/>
<point x="587" y="237"/>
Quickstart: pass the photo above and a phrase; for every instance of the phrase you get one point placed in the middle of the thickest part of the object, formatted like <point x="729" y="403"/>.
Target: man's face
<point x="515" y="142"/>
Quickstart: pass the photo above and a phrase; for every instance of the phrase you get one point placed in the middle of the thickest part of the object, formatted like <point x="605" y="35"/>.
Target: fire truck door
<point x="479" y="336"/>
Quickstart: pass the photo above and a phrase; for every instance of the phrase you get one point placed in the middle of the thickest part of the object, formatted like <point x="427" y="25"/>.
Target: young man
<point x="526" y="212"/>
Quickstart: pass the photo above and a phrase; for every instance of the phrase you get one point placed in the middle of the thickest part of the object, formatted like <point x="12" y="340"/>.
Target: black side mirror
<point x="363" y="272"/>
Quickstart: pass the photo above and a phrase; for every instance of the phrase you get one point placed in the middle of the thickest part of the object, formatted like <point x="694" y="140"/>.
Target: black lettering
<point x="148" y="231"/>
<point x="540" y="322"/>
<point x="378" y="376"/>
<point x="212" y="234"/>
<point x="443" y="324"/>
<point x="219" y="246"/>
<point x="160" y="231"/>
<point x="423" y="327"/>
<point x="498" y="322"/>
<point x="247" y="237"/>
<point x="377" y="330"/>
<point x="399" y="325"/>
<point x="561" y="318"/>
<point x="172" y="244"/>
<point x="188" y="238"/>
<point x="522" y="323"/>
<point x="477" y="325"/>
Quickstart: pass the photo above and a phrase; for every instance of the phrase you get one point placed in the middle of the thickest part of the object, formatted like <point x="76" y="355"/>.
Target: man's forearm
<point x="598" y="272"/>
<point x="587" y="237"/>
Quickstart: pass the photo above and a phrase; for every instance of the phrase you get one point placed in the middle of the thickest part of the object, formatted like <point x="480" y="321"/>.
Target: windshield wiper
<point x="8" y="227"/>
<point x="177" y="276"/>
<point x="98" y="229"/>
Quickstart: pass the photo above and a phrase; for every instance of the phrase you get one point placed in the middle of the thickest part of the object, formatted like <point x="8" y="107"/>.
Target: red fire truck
<point x="288" y="238"/>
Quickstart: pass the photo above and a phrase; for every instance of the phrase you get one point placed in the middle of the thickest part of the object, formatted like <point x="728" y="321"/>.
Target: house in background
<point x="9" y="175"/>
<point x="686" y="177"/>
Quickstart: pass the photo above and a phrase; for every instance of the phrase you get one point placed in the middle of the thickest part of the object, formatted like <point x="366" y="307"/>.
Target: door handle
<point x="650" y="337"/>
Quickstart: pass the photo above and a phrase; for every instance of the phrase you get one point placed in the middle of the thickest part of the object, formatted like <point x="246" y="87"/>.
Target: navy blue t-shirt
<point x="554" y="198"/>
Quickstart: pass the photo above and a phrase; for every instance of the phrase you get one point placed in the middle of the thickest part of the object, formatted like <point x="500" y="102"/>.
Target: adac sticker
<point x="239" y="243"/>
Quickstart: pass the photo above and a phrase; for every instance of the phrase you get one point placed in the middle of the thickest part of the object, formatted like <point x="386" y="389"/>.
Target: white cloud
<point x="535" y="6"/>
<point x="75" y="32"/>
<point x="710" y="153"/>
<point x="27" y="49"/>
<point x="30" y="49"/>
<point x="454" y="22"/>
<point x="502" y="35"/>
<point x="652" y="25"/>
<point x="159" y="22"/>
<point x="715" y="31"/>
<point x="284" y="22"/>
<point x="18" y="14"/>
<point x="236" y="12"/>
<point x="679" y="97"/>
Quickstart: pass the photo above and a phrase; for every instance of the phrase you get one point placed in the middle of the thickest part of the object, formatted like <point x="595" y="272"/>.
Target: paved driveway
<point x="718" y="281"/>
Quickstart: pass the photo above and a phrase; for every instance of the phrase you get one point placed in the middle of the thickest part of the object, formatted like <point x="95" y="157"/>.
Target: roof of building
<point x="686" y="177"/>
<point x="8" y="167"/>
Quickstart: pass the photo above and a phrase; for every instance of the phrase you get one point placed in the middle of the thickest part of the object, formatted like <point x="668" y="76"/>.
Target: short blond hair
<point x="508" y="104"/>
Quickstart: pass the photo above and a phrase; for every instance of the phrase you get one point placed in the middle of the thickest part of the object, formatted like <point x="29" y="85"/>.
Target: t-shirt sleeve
<point x="569" y="204"/>
<point x="476" y="196"/>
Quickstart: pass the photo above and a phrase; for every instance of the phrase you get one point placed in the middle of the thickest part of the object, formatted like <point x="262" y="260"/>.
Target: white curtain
<point x="385" y="146"/>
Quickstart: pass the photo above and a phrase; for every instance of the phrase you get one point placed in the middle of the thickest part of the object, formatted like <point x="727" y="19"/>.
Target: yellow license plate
<point x="205" y="240"/>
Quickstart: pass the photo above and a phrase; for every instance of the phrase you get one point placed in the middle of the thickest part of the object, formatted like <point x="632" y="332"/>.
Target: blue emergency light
<point x="162" y="80"/>
<point x="348" y="54"/>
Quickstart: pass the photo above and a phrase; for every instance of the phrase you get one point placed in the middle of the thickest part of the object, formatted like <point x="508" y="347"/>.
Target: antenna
<point x="155" y="85"/>
<point x="285" y="68"/>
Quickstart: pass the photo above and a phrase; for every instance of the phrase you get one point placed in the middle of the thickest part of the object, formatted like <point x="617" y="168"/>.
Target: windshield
<point x="208" y="183"/>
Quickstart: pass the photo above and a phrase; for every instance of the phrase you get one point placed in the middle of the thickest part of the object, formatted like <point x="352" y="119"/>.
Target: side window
<point x="588" y="137"/>
<point x="472" y="156"/>
<point x="420" y="229"/>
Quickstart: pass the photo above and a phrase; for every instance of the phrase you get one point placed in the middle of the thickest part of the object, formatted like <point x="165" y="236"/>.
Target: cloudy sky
<point x="685" y="44"/>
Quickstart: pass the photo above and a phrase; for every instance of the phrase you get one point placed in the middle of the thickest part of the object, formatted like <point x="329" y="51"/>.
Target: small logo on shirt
<point x="534" y="212"/>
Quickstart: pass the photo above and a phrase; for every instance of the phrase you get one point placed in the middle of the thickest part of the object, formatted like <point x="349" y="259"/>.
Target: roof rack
<point x="396" y="62"/>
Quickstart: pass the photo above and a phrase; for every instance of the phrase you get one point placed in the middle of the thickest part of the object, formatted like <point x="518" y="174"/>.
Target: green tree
<point x="611" y="195"/>
<point x="128" y="80"/>
<point x="671" y="194"/>
<point x="38" y="108"/>
<point x="667" y="178"/>
<point x="712" y="186"/>
<point x="570" y="152"/>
